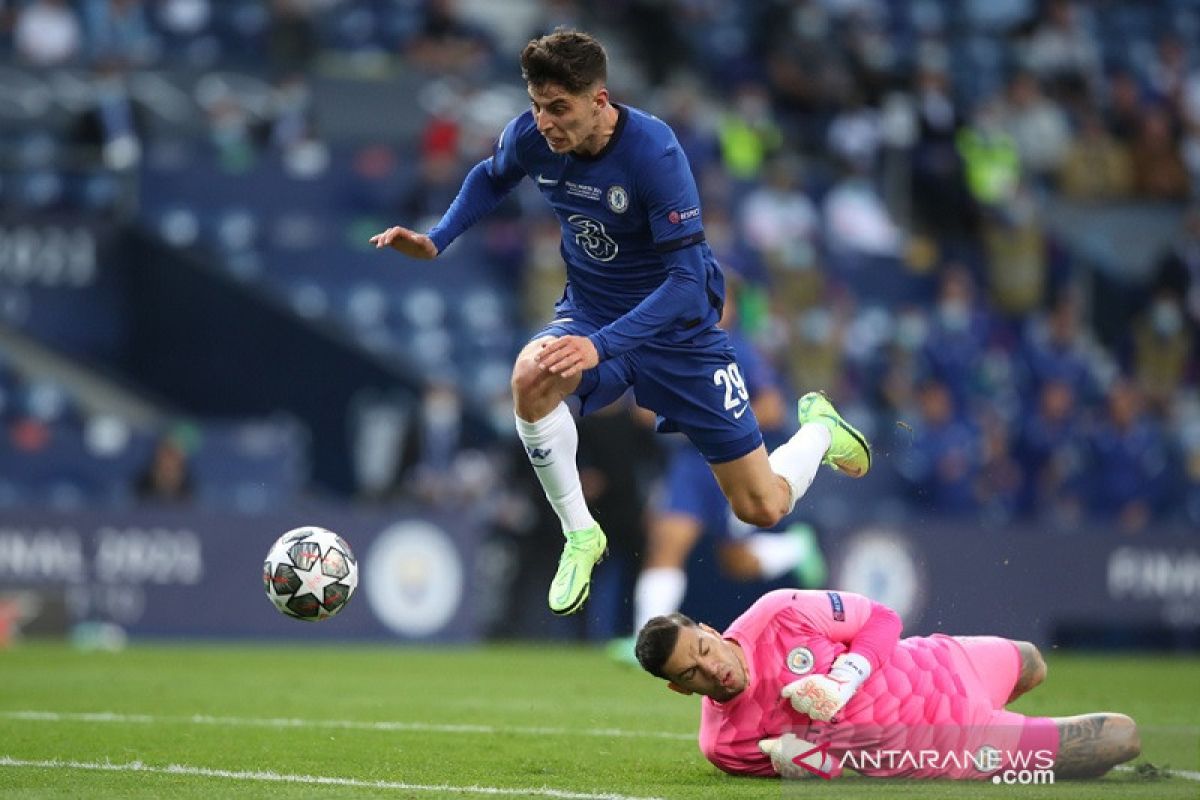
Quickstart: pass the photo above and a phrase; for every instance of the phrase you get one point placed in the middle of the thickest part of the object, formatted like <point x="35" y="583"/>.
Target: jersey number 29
<point x="731" y="378"/>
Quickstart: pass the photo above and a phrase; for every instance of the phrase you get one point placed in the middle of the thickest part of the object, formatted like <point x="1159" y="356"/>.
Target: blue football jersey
<point x="623" y="212"/>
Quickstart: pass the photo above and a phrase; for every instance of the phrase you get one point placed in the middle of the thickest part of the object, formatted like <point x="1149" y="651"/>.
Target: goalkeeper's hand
<point x="783" y="753"/>
<point x="821" y="697"/>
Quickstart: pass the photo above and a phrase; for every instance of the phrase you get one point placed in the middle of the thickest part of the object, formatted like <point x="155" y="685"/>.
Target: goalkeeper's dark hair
<point x="656" y="641"/>
<point x="571" y="59"/>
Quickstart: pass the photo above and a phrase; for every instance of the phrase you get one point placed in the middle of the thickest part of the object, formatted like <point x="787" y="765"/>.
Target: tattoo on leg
<point x="1088" y="747"/>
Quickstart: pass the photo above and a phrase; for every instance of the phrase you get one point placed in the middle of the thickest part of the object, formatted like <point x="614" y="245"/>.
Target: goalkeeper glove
<point x="793" y="757"/>
<point x="821" y="697"/>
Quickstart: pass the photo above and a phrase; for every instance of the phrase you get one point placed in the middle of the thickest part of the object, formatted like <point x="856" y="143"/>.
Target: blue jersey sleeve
<point x="673" y="205"/>
<point x="484" y="187"/>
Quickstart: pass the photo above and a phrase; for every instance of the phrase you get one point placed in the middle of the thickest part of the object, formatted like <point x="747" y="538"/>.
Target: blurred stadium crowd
<point x="975" y="217"/>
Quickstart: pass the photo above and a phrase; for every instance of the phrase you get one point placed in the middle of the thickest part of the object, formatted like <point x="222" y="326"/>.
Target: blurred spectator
<point x="941" y="203"/>
<point x="657" y="36"/>
<point x="293" y="129"/>
<point x="1158" y="168"/>
<point x="1056" y="346"/>
<point x="1178" y="270"/>
<point x="620" y="459"/>
<point x="942" y="467"/>
<point x="991" y="160"/>
<point x="1038" y="126"/>
<point x="1050" y="451"/>
<point x="1061" y="49"/>
<point x="112" y="127"/>
<point x="438" y="180"/>
<point x="957" y="339"/>
<point x="1096" y="167"/>
<point x="780" y="224"/>
<point x="1161" y="350"/>
<point x="444" y="465"/>
<point x="544" y="275"/>
<point x="748" y="132"/>
<point x="856" y="135"/>
<point x="1168" y="71"/>
<point x="119" y="32"/>
<point x="1124" y="108"/>
<point x="857" y="221"/>
<point x="685" y="109"/>
<point x="168" y="476"/>
<point x="292" y="40"/>
<point x="447" y="44"/>
<point x="1127" y="463"/>
<point x="47" y="33"/>
<point x="1015" y="248"/>
<point x="998" y="487"/>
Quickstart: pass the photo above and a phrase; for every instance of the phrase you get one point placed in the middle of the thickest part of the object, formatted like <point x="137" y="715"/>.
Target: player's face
<point x="567" y="121"/>
<point x="704" y="663"/>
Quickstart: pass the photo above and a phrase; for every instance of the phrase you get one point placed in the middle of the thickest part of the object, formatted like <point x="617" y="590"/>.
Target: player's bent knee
<point x="532" y="390"/>
<point x="755" y="510"/>
<point x="1033" y="666"/>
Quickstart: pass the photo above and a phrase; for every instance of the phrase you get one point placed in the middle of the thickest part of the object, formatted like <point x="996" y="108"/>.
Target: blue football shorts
<point x="696" y="388"/>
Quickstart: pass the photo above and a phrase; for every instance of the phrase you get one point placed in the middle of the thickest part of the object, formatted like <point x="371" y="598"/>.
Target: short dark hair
<point x="656" y="641"/>
<point x="572" y="59"/>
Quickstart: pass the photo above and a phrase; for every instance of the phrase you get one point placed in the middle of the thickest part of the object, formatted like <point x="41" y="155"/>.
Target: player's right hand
<point x="819" y="697"/>
<point x="410" y="243"/>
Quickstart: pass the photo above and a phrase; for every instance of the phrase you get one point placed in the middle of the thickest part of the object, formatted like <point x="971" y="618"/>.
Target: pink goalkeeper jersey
<point x="923" y="692"/>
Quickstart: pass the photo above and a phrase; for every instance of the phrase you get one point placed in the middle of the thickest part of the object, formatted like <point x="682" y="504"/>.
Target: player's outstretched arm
<point x="410" y="243"/>
<point x="1089" y="745"/>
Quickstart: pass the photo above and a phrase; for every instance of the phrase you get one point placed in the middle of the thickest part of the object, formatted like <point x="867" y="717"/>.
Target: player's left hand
<point x="793" y="757"/>
<point x="820" y="697"/>
<point x="568" y="356"/>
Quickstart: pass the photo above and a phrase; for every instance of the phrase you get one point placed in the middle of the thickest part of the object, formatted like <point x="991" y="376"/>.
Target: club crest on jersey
<point x="800" y="661"/>
<point x="617" y="198"/>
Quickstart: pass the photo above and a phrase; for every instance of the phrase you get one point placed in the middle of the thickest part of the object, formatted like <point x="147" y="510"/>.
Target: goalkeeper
<point x="810" y="682"/>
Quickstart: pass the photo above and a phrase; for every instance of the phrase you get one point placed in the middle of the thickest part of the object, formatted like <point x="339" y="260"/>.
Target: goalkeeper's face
<point x="704" y="663"/>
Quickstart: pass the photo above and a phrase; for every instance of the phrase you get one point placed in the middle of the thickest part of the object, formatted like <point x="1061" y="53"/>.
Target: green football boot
<point x="848" y="451"/>
<point x="573" y="581"/>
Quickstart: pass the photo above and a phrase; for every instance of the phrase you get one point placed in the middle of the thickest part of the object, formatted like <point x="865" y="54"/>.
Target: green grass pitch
<point x="218" y="720"/>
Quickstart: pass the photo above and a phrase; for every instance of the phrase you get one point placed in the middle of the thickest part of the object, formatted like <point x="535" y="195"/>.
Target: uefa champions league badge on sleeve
<point x="800" y="661"/>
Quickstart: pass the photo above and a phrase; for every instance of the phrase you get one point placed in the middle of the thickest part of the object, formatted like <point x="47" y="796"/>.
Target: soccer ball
<point x="310" y="573"/>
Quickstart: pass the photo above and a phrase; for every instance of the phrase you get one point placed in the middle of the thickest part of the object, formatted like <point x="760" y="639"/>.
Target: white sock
<point x="659" y="591"/>
<point x="797" y="459"/>
<point x="738" y="530"/>
<point x="551" y="444"/>
<point x="777" y="553"/>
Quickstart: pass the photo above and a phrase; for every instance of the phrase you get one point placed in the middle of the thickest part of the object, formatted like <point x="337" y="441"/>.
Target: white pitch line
<point x="312" y="780"/>
<point x="418" y="727"/>
<point x="284" y="722"/>
<point x="1186" y="774"/>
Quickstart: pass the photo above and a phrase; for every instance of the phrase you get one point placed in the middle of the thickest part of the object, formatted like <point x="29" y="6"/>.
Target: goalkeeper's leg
<point x="1089" y="745"/>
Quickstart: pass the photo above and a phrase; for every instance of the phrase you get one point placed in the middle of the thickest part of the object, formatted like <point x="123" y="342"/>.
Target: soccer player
<point x="691" y="506"/>
<point x="640" y="308"/>
<point x="808" y="681"/>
